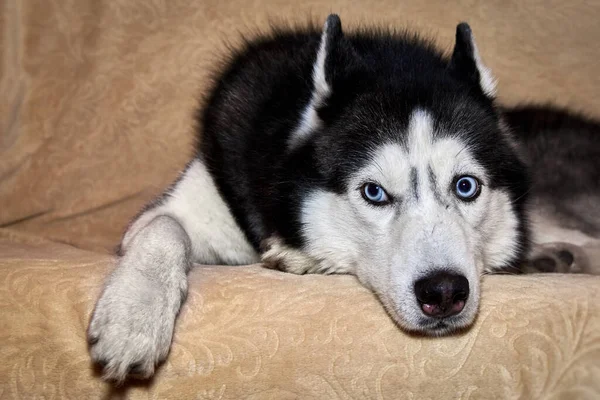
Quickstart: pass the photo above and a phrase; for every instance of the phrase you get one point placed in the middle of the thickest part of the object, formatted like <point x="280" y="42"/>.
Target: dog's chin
<point x="436" y="327"/>
<point x="444" y="328"/>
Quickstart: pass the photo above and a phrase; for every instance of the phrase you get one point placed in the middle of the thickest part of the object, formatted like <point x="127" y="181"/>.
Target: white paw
<point x="131" y="328"/>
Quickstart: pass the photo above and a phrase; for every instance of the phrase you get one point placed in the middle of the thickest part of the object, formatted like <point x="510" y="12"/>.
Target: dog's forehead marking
<point x="420" y="138"/>
<point x="435" y="155"/>
<point x="424" y="163"/>
<point x="419" y="148"/>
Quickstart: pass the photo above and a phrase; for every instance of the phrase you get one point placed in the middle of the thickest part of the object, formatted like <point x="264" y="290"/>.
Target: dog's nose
<point x="442" y="294"/>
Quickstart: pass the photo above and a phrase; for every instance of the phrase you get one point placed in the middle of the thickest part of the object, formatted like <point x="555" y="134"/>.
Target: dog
<point x="368" y="153"/>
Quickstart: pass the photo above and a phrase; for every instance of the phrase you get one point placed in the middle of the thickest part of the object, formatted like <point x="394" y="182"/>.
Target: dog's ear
<point x="324" y="68"/>
<point x="330" y="65"/>
<point x="466" y="62"/>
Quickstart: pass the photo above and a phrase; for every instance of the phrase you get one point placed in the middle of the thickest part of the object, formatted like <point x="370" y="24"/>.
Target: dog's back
<point x="562" y="151"/>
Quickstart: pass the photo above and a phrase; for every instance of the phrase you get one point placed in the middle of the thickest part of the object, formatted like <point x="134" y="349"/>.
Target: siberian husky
<point x="368" y="153"/>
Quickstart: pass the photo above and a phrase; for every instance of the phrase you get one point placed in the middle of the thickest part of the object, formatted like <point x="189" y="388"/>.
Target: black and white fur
<point x="294" y="127"/>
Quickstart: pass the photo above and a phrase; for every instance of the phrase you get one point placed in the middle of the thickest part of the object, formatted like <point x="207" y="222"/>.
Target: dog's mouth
<point x="431" y="326"/>
<point x="439" y="328"/>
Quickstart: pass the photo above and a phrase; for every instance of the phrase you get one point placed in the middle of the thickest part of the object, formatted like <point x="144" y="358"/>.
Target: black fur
<point x="377" y="78"/>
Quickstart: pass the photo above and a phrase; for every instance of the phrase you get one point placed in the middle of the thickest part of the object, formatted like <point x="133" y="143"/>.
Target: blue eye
<point x="374" y="194"/>
<point x="467" y="187"/>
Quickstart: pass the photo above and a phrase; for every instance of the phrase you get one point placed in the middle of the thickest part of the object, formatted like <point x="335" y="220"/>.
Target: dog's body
<point x="562" y="151"/>
<point x="369" y="154"/>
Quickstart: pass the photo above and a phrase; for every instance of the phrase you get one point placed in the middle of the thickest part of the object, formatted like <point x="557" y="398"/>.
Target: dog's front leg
<point x="132" y="325"/>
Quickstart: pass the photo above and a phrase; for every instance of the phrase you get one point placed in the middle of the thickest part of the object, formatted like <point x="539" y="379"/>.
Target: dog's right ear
<point x="326" y="67"/>
<point x="325" y="63"/>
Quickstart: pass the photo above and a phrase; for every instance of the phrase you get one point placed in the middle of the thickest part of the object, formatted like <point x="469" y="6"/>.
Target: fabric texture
<point x="96" y="117"/>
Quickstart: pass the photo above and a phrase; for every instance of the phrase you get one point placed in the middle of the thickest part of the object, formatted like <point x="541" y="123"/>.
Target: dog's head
<point x="423" y="189"/>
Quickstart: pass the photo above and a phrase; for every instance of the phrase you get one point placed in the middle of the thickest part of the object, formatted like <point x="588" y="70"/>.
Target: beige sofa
<point x="96" y="108"/>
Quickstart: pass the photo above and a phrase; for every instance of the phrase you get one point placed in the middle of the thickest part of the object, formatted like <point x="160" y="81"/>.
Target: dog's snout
<point x="442" y="294"/>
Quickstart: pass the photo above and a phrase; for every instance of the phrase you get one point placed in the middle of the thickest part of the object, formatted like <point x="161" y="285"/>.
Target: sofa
<point x="96" y="118"/>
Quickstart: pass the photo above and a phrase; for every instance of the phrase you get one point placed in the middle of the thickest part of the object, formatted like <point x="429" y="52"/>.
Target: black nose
<point x="442" y="294"/>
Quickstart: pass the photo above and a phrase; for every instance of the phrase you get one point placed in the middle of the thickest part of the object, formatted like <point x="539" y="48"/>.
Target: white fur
<point x="134" y="318"/>
<point x="391" y="247"/>
<point x="499" y="230"/>
<point x="297" y="261"/>
<point x="321" y="90"/>
<point x="321" y="87"/>
<point x="486" y="78"/>
<point x="545" y="229"/>
<point x="196" y="203"/>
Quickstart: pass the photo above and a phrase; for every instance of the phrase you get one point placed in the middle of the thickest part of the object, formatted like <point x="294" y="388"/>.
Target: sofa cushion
<point x="249" y="332"/>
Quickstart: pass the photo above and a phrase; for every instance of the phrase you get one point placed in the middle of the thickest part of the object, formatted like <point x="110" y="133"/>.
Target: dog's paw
<point x="131" y="327"/>
<point x="279" y="256"/>
<point x="558" y="257"/>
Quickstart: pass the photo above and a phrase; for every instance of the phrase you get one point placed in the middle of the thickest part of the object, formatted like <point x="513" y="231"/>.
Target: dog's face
<point x="420" y="218"/>
<point x="424" y="194"/>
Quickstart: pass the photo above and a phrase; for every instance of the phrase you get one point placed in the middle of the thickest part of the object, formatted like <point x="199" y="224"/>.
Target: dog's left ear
<point x="465" y="61"/>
